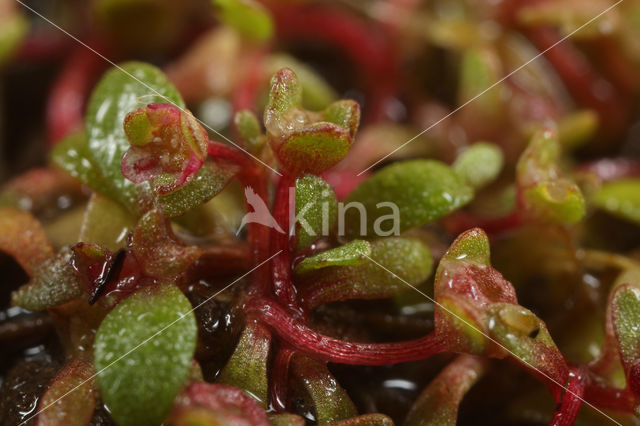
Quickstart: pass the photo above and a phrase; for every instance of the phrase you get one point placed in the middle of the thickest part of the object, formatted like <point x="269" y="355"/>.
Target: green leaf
<point x="70" y="398"/>
<point x="22" y="237"/>
<point x="527" y="339"/>
<point x="546" y="195"/>
<point x="208" y="182"/>
<point x="330" y="400"/>
<point x="316" y="208"/>
<point x="158" y="250"/>
<point x="249" y="17"/>
<point x="317" y="93"/>
<point x="106" y="223"/>
<point x="439" y="402"/>
<point x="409" y="261"/>
<point x="315" y="148"/>
<point x="620" y="198"/>
<point x="247" y="367"/>
<point x="625" y="303"/>
<point x="470" y="246"/>
<point x="72" y="155"/>
<point x="353" y="253"/>
<point x="119" y="92"/>
<point x="53" y="283"/>
<point x="155" y="332"/>
<point x="465" y="287"/>
<point x="421" y="190"/>
<point x="479" y="164"/>
<point x="306" y="141"/>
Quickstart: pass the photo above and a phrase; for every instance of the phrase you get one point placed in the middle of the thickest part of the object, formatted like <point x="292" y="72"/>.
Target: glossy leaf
<point x="210" y="180"/>
<point x="147" y="342"/>
<point x="620" y="198"/>
<point x="306" y="141"/>
<point x="316" y="210"/>
<point x="209" y="404"/>
<point x="439" y="402"/>
<point x="70" y="398"/>
<point x="625" y="304"/>
<point x="116" y="95"/>
<point x="330" y="400"/>
<point x="249" y="17"/>
<point x="352" y="253"/>
<point x="465" y="287"/>
<point x="158" y="250"/>
<point x="168" y="146"/>
<point x="527" y="339"/>
<point x="22" y="237"/>
<point x="52" y="283"/>
<point x="317" y="93"/>
<point x="105" y="223"/>
<point x="546" y="195"/>
<point x="408" y="260"/>
<point x="422" y="191"/>
<point x="479" y="164"/>
<point x="247" y="367"/>
<point x="72" y="155"/>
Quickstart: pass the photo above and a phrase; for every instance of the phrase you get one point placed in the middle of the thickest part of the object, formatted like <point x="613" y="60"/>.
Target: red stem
<point x="252" y="177"/>
<point x="608" y="398"/>
<point x="281" y="266"/>
<point x="584" y="83"/>
<point x="565" y="414"/>
<point x="330" y="349"/>
<point x="280" y="379"/>
<point x="65" y="107"/>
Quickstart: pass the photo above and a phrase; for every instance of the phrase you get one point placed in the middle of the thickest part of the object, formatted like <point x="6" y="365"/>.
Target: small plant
<point x="309" y="259"/>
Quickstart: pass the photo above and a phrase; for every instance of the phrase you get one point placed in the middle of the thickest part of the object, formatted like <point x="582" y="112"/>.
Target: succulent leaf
<point x="544" y="194"/>
<point x="116" y="95"/>
<point x="479" y="164"/>
<point x="353" y="253"/>
<point x="247" y="367"/>
<point x="421" y="190"/>
<point x="316" y="205"/>
<point x="147" y="342"/>
<point x="70" y="398"/>
<point x="330" y="400"/>
<point x="409" y="261"/>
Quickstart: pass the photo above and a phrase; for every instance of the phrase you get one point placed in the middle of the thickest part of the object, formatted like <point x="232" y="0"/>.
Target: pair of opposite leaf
<point x="477" y="312"/>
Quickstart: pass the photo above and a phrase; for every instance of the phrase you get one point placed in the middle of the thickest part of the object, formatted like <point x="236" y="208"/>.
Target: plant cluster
<point x="509" y="287"/>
